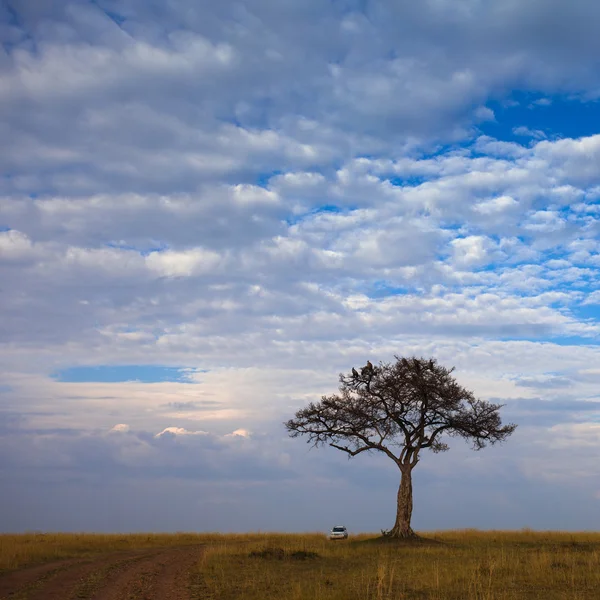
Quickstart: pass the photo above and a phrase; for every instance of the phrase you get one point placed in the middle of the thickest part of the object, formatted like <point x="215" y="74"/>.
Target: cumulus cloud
<point x="121" y="428"/>
<point x="191" y="262"/>
<point x="470" y="251"/>
<point x="175" y="431"/>
<point x="495" y="205"/>
<point x="243" y="433"/>
<point x="14" y="245"/>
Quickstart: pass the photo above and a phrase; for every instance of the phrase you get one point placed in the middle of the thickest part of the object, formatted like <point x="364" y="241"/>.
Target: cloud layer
<point x="263" y="195"/>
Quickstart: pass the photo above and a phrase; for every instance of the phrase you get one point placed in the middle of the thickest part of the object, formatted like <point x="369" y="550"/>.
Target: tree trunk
<point x="402" y="528"/>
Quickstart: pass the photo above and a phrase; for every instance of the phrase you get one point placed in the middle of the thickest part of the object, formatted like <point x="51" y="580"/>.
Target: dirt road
<point x="153" y="574"/>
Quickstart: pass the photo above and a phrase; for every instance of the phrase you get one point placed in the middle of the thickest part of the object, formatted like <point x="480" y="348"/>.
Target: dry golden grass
<point x="20" y="550"/>
<point x="25" y="549"/>
<point x="457" y="565"/>
<point x="463" y="565"/>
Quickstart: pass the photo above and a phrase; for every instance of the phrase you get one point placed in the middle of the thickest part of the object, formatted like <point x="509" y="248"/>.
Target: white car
<point x="339" y="532"/>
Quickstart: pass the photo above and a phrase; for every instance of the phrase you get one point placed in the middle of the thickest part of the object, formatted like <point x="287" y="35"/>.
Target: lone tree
<point x="400" y="409"/>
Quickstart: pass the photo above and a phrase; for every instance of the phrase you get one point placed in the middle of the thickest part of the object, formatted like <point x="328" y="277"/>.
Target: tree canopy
<point x="399" y="409"/>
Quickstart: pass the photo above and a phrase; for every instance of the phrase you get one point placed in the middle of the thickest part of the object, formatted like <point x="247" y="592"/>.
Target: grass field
<point x="453" y="565"/>
<point x="22" y="550"/>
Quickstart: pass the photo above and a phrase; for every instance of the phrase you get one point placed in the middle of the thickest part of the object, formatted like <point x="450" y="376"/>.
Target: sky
<point x="208" y="210"/>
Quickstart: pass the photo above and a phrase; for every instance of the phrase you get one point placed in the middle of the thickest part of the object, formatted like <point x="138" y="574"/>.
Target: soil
<point x="153" y="574"/>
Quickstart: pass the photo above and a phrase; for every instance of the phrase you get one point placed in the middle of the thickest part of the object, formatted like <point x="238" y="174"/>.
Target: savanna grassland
<point x="452" y="565"/>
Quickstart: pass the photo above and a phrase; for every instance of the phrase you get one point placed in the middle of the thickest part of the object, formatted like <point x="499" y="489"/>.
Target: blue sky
<point x="208" y="210"/>
<point x="122" y="373"/>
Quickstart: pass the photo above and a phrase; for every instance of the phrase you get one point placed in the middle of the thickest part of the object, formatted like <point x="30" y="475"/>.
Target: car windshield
<point x="339" y="529"/>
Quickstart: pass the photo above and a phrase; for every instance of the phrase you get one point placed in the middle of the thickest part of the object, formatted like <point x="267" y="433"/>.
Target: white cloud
<point x="522" y="130"/>
<point x="190" y="262"/>
<point x="175" y="431"/>
<point x="592" y="298"/>
<point x="14" y="245"/>
<point x="471" y="251"/>
<point x="243" y="433"/>
<point x="121" y="428"/>
<point x="495" y="205"/>
<point x="545" y="221"/>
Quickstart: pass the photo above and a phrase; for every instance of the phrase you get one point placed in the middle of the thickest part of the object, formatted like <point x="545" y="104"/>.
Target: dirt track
<point x="154" y="574"/>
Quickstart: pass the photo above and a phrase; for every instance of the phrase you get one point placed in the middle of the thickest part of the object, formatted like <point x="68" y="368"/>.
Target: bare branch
<point x="408" y="405"/>
<point x="349" y="451"/>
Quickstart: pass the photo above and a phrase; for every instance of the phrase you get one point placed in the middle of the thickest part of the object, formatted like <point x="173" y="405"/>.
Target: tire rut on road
<point x="173" y="582"/>
<point x="157" y="574"/>
<point x="16" y="582"/>
<point x="164" y="577"/>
